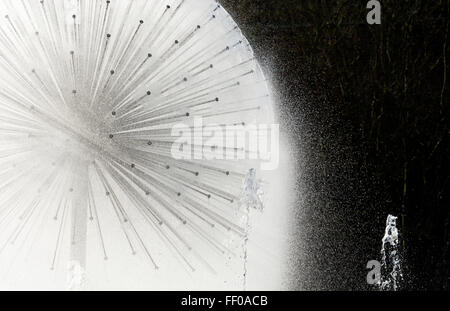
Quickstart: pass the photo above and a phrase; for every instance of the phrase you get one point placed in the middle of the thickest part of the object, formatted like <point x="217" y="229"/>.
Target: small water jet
<point x="391" y="266"/>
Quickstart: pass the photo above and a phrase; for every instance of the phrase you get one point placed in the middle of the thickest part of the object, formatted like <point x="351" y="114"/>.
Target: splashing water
<point x="251" y="198"/>
<point x="76" y="277"/>
<point x="252" y="193"/>
<point x="390" y="257"/>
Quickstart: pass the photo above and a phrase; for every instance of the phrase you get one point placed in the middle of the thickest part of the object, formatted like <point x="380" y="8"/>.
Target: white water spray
<point x="76" y="277"/>
<point x="251" y="198"/>
<point x="252" y="193"/>
<point x="392" y="274"/>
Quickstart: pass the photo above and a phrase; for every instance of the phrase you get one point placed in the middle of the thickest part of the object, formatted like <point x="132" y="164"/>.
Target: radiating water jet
<point x="89" y="93"/>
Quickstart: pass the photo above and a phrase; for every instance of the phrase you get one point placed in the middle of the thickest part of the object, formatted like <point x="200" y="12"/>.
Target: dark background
<point x="367" y="108"/>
